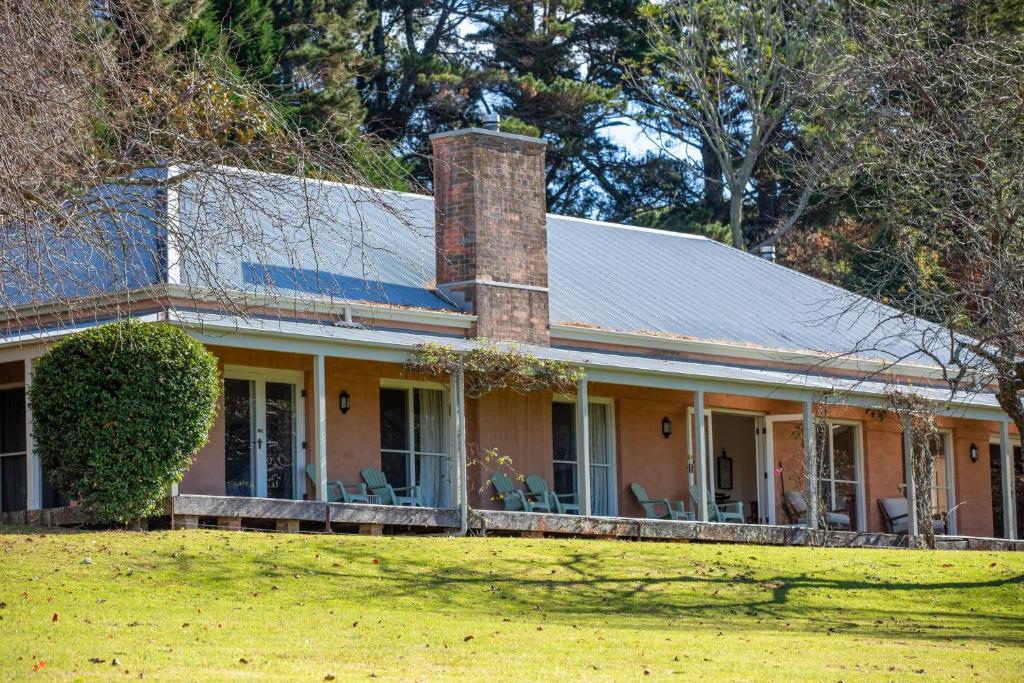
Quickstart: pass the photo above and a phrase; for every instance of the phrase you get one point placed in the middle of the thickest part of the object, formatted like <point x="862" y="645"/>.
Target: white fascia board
<point x="796" y="388"/>
<point x="26" y="344"/>
<point x="824" y="361"/>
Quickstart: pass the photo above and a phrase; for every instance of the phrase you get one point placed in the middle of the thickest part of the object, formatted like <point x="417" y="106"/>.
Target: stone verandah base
<point x="290" y="516"/>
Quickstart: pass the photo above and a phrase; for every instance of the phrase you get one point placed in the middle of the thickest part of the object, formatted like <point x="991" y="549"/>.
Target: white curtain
<point x="600" y="461"/>
<point x="432" y="448"/>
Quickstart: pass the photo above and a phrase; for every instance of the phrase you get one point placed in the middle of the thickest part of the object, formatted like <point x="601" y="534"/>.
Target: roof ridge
<point x="635" y="228"/>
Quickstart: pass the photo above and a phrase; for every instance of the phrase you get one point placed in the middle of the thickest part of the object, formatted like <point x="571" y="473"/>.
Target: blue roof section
<point x="378" y="246"/>
<point x="326" y="240"/>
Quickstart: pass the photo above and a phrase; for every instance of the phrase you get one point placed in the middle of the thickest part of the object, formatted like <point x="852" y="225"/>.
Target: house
<point x="704" y="365"/>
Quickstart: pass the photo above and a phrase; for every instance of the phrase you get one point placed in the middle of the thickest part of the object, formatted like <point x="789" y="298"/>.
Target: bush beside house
<point x="118" y="413"/>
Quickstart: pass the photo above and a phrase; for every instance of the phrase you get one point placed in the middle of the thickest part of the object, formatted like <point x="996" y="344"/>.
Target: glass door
<point x="239" y="437"/>
<point x="279" y="423"/>
<point x="602" y="461"/>
<point x="13" y="475"/>
<point x="262" y="433"/>
<point x="414" y="441"/>
<point x="840" y="478"/>
<point x="563" y="440"/>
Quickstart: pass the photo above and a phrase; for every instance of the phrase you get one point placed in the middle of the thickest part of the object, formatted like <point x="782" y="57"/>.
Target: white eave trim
<point x="725" y="350"/>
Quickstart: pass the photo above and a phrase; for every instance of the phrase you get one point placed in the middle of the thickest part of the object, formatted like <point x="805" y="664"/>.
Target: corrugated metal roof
<point x="379" y="247"/>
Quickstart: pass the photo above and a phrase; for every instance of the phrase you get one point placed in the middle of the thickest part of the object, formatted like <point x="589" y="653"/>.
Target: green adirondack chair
<point x="338" y="491"/>
<point x="726" y="512"/>
<point x="514" y="498"/>
<point x="537" y="487"/>
<point x="651" y="505"/>
<point x="389" y="495"/>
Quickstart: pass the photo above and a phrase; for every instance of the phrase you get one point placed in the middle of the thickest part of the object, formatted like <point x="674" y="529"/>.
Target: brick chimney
<point x="491" y="230"/>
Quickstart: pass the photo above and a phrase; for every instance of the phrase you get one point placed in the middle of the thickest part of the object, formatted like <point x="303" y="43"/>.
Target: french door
<point x="13" y="480"/>
<point x="765" y="490"/>
<point x="840" y="464"/>
<point x="263" y="433"/>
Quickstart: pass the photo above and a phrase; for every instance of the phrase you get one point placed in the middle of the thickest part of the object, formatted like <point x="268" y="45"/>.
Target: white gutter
<point x="246" y="300"/>
<point x="573" y="333"/>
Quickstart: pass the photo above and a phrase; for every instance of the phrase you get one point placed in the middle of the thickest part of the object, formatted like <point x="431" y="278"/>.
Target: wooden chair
<point x="515" y="499"/>
<point x="388" y="494"/>
<point x="337" y="491"/>
<point x="537" y="487"/>
<point x="650" y="505"/>
<point x="726" y="512"/>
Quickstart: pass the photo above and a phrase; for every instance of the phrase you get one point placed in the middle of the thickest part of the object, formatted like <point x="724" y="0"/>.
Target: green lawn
<point x="191" y="605"/>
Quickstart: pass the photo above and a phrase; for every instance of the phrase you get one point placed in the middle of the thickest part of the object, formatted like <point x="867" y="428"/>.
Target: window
<point x="563" y="440"/>
<point x="13" y="475"/>
<point x="941" y="493"/>
<point x="942" y="480"/>
<point x="414" y="441"/>
<point x="602" y="454"/>
<point x="839" y="470"/>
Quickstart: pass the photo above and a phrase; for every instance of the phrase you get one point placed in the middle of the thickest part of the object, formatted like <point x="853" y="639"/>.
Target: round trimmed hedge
<point x="118" y="412"/>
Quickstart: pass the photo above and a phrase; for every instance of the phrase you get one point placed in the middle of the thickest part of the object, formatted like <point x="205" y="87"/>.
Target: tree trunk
<point x="736" y="217"/>
<point x="714" y="189"/>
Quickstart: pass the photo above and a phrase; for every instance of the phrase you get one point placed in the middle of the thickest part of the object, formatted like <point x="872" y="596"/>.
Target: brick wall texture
<point x="490" y="218"/>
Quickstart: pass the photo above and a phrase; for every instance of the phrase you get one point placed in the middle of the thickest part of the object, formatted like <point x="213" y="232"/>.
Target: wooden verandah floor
<point x="193" y="511"/>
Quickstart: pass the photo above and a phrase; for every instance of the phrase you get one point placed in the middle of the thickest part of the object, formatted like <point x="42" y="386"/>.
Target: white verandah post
<point x="33" y="468"/>
<point x="583" y="444"/>
<point x="457" y="396"/>
<point x="320" y="426"/>
<point x="700" y="441"/>
<point x="1008" y="472"/>
<point x="811" y="464"/>
<point x="909" y="478"/>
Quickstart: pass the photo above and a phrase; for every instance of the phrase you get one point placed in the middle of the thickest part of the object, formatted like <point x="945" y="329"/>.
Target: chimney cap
<point x="491" y="121"/>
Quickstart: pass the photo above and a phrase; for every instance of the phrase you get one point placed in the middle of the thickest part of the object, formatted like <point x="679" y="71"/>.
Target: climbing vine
<point x="492" y="367"/>
<point x="917" y="418"/>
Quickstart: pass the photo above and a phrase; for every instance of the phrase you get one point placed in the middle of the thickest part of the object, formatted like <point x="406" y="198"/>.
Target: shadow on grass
<point x="581" y="586"/>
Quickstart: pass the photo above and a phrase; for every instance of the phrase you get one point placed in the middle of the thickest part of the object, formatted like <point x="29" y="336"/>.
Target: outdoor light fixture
<point x="343" y="402"/>
<point x="974" y="453"/>
<point x="666" y="427"/>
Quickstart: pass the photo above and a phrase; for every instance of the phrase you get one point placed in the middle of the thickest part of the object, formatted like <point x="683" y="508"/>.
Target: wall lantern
<point x="974" y="453"/>
<point x="344" y="402"/>
<point x="666" y="427"/>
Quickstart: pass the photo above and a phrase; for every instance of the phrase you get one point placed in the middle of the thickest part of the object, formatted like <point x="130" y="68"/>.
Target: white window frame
<point x="613" y="479"/>
<point x="260" y="376"/>
<point x="858" y="465"/>
<point x="950" y="457"/>
<point x="770" y="422"/>
<point x="410" y="426"/>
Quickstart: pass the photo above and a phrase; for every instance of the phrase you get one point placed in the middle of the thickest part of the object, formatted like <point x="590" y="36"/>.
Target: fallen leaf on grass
<point x="467" y="639"/>
<point x="56" y="617"/>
